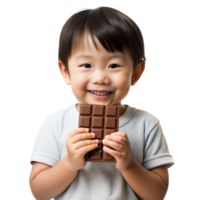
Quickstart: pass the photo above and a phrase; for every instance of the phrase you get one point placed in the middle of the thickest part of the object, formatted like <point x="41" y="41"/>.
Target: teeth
<point x="100" y="93"/>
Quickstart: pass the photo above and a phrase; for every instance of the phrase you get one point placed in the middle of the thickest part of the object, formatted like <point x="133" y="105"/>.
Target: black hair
<point x="114" y="30"/>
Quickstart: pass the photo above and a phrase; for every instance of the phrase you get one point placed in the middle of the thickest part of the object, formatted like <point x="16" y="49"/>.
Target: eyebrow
<point x="113" y="56"/>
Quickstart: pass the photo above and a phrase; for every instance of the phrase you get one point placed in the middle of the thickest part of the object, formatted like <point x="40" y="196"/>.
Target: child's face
<point x="98" y="76"/>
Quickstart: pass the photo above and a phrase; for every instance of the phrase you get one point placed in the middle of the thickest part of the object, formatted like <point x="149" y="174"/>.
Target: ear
<point x="64" y="72"/>
<point x="137" y="73"/>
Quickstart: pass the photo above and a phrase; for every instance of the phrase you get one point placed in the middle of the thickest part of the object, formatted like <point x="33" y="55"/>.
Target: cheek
<point x="123" y="82"/>
<point x="78" y="84"/>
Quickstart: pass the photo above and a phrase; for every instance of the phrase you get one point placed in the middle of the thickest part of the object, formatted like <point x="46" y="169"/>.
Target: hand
<point x="122" y="149"/>
<point x="78" y="144"/>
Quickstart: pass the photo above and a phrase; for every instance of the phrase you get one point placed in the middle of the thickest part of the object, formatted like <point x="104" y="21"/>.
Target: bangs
<point x="108" y="32"/>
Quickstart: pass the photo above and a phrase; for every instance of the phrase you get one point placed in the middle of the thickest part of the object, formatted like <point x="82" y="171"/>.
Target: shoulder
<point x="142" y="117"/>
<point x="141" y="122"/>
<point x="55" y="120"/>
<point x="59" y="115"/>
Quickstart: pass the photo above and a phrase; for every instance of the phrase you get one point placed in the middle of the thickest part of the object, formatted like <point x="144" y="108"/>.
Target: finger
<point x="83" y="150"/>
<point x="112" y="152"/>
<point x="123" y="134"/>
<point x="78" y="131"/>
<point x="114" y="145"/>
<point x="84" y="143"/>
<point x="82" y="136"/>
<point x="117" y="138"/>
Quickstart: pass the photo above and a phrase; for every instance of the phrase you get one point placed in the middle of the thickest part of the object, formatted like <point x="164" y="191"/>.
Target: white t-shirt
<point x="97" y="181"/>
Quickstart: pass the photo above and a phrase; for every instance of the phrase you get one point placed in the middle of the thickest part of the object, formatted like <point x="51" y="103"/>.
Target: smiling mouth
<point x="100" y="93"/>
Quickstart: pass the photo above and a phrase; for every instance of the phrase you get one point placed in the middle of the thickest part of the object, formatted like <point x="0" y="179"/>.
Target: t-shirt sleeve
<point x="156" y="152"/>
<point x="46" y="149"/>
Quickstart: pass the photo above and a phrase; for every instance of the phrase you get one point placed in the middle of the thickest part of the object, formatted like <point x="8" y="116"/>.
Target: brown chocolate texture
<point x="101" y="120"/>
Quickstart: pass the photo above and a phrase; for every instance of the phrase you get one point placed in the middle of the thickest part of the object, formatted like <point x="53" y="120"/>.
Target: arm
<point x="47" y="182"/>
<point x="148" y="185"/>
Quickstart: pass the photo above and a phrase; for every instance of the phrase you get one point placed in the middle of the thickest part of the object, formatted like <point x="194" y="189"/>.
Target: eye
<point x="86" y="65"/>
<point x="112" y="66"/>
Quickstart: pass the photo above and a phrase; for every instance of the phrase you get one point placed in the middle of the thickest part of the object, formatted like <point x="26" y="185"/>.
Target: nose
<point x="100" y="78"/>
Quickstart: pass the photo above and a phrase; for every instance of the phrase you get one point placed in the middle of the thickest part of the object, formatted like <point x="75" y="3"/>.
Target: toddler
<point x="101" y="55"/>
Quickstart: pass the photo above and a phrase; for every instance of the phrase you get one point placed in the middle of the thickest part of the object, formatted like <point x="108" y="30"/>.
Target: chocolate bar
<point x="101" y="120"/>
